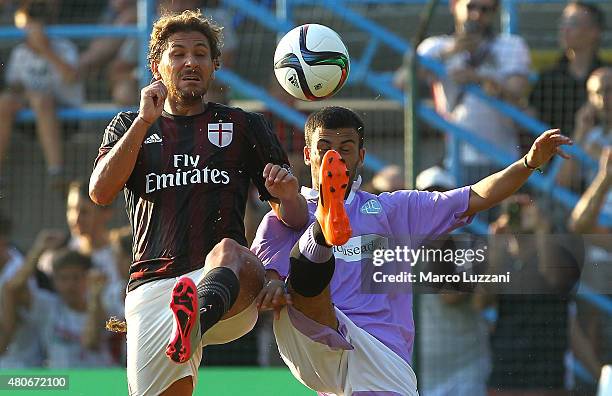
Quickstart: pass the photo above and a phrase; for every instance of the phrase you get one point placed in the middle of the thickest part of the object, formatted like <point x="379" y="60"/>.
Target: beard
<point x="187" y="96"/>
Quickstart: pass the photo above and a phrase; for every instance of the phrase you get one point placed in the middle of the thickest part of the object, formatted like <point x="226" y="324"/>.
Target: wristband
<point x="145" y="121"/>
<point x="530" y="167"/>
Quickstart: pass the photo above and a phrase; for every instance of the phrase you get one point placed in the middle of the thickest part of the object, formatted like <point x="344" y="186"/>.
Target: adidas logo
<point x="153" y="139"/>
<point x="293" y="80"/>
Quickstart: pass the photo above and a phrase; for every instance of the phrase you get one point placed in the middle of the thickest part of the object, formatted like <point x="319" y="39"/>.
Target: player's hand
<point x="273" y="296"/>
<point x="546" y="146"/>
<point x="152" y="98"/>
<point x="280" y="182"/>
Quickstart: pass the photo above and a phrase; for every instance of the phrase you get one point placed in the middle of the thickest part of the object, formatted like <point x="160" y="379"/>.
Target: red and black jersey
<point x="188" y="189"/>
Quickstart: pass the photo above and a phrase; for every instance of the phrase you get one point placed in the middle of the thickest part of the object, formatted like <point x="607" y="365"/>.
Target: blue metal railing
<point x="74" y="31"/>
<point x="361" y="72"/>
<point x="81" y="113"/>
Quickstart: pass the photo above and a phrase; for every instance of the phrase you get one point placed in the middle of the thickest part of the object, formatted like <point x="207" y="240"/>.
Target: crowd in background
<point x="56" y="295"/>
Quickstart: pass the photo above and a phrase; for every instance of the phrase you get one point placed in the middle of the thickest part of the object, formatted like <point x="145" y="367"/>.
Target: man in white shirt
<point x="475" y="54"/>
<point x="42" y="74"/>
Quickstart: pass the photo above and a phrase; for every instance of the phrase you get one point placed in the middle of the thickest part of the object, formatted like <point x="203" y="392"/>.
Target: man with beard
<point x="186" y="166"/>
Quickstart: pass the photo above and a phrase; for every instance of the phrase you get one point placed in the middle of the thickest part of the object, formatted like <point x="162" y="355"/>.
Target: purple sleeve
<point x="429" y="214"/>
<point x="273" y="243"/>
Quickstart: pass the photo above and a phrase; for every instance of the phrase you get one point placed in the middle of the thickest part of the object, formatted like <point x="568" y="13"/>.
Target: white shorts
<point x="149" y="323"/>
<point x="347" y="362"/>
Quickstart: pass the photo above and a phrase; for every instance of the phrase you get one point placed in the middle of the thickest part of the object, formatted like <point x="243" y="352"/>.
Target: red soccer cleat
<point x="333" y="182"/>
<point x="186" y="326"/>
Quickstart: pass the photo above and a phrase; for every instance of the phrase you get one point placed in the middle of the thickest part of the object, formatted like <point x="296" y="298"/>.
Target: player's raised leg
<point x="233" y="278"/>
<point x="312" y="260"/>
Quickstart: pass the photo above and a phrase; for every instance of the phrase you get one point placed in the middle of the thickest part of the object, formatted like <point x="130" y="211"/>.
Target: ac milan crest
<point x="220" y="133"/>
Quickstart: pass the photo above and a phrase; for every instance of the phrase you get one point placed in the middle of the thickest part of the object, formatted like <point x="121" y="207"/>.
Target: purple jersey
<point x="409" y="216"/>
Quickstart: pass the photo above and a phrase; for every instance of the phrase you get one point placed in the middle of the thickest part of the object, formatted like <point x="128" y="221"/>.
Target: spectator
<point x="41" y="73"/>
<point x="455" y="358"/>
<point x="19" y="347"/>
<point x="21" y="312"/>
<point x="561" y="90"/>
<point x="89" y="232"/>
<point x="593" y="129"/>
<point x="530" y="336"/>
<point x="595" y="200"/>
<point x="388" y="179"/>
<point x="591" y="327"/>
<point x="112" y="52"/>
<point x="71" y="323"/>
<point x="476" y="54"/>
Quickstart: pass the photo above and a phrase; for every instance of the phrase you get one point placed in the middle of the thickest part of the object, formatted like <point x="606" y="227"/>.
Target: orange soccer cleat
<point x="333" y="182"/>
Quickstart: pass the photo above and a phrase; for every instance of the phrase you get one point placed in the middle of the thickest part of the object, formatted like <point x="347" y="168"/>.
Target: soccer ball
<point x="311" y="62"/>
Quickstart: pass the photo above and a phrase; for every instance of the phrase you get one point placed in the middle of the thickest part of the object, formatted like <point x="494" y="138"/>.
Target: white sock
<point x="312" y="250"/>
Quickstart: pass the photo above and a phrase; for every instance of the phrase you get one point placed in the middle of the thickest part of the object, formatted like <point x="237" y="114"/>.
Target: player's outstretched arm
<point x="114" y="169"/>
<point x="495" y="188"/>
<point x="289" y="206"/>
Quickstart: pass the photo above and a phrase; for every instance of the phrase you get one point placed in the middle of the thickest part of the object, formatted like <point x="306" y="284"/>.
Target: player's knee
<point x="228" y="245"/>
<point x="229" y="253"/>
<point x="226" y="251"/>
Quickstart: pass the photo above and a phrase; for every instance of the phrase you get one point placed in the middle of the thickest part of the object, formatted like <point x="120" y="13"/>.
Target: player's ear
<point x="155" y="70"/>
<point x="307" y="155"/>
<point x="362" y="153"/>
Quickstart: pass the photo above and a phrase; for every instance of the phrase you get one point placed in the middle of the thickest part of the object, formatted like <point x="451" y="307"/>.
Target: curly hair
<point x="186" y="21"/>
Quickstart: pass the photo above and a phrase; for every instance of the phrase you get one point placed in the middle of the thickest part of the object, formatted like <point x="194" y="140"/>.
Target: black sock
<point x="312" y="263"/>
<point x="217" y="293"/>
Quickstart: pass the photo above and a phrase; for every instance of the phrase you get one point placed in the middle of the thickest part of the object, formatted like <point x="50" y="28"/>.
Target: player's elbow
<point x="98" y="194"/>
